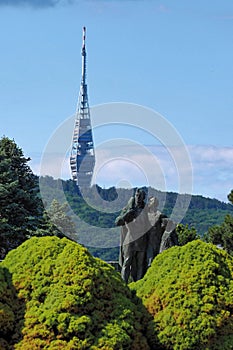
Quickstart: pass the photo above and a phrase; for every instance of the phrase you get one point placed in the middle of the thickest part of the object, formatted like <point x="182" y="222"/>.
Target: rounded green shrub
<point x="189" y="292"/>
<point x="11" y="311"/>
<point x="73" y="300"/>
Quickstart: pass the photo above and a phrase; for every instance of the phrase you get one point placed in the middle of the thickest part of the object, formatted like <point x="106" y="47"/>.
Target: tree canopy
<point x="186" y="234"/>
<point x="189" y="292"/>
<point x="22" y="214"/>
<point x="56" y="222"/>
<point x="20" y="205"/>
<point x="222" y="235"/>
<point x="72" y="300"/>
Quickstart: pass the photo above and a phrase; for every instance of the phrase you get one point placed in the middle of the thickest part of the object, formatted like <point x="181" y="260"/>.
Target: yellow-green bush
<point x="72" y="300"/>
<point x="189" y="292"/>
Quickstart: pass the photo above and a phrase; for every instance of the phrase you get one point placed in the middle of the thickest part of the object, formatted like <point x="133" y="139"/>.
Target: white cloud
<point x="213" y="170"/>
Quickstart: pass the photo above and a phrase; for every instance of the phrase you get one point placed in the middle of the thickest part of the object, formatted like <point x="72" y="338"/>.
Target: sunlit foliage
<point x="189" y="292"/>
<point x="72" y="300"/>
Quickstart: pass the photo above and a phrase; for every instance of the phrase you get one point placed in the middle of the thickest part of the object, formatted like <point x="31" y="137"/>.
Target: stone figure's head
<point x="153" y="204"/>
<point x="140" y="196"/>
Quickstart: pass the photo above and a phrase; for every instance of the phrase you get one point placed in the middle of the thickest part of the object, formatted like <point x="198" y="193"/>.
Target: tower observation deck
<point x="82" y="158"/>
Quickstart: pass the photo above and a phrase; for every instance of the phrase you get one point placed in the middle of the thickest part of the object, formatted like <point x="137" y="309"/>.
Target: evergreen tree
<point x="222" y="235"/>
<point x="58" y="214"/>
<point x="186" y="234"/>
<point x="20" y="205"/>
<point x="57" y="222"/>
<point x="230" y="197"/>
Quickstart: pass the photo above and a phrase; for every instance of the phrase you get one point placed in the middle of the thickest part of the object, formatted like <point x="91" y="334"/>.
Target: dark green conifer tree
<point x="222" y="235"/>
<point x="20" y="205"/>
<point x="186" y="234"/>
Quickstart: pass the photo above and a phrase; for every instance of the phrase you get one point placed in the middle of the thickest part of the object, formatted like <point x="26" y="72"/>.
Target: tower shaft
<point x="82" y="158"/>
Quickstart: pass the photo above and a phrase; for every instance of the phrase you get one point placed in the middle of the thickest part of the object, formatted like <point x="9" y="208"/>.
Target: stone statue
<point x="133" y="242"/>
<point x="162" y="234"/>
<point x="145" y="232"/>
<point x="156" y="219"/>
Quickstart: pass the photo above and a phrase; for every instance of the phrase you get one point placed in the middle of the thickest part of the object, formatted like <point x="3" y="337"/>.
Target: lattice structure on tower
<point x="82" y="158"/>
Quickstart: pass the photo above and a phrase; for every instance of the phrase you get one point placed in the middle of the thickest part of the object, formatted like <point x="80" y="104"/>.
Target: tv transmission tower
<point x="82" y="158"/>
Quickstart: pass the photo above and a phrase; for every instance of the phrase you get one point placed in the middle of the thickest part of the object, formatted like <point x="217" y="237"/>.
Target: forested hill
<point x="101" y="206"/>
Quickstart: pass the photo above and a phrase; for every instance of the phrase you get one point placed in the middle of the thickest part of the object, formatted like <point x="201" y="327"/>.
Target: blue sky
<point x="174" y="57"/>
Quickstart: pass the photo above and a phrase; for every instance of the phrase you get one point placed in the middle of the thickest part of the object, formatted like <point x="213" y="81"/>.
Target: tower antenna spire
<point x="84" y="36"/>
<point x="84" y="57"/>
<point x="82" y="158"/>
